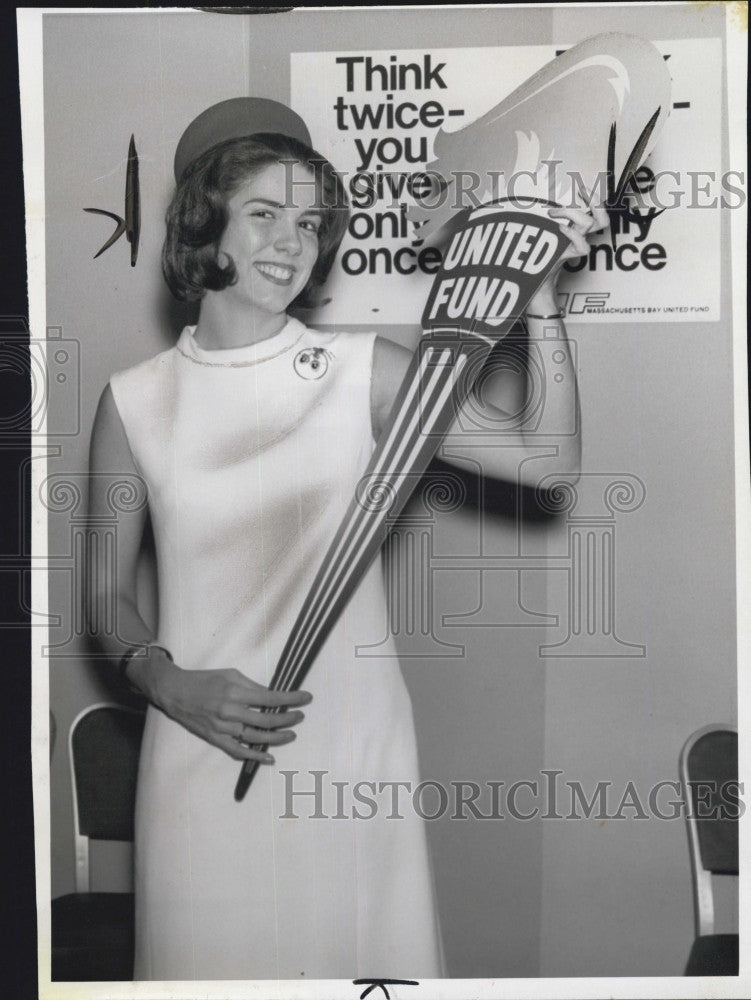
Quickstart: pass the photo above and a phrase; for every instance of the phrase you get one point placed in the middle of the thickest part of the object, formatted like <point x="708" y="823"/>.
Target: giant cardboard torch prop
<point x="593" y="113"/>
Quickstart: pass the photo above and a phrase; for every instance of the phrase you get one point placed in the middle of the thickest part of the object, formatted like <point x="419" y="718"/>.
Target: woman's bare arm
<point x="110" y="459"/>
<point x="220" y="706"/>
<point x="559" y="454"/>
<point x="511" y="462"/>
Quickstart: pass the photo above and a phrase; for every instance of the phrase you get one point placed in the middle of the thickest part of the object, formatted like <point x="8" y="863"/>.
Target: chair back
<point x="104" y="747"/>
<point x="709" y="779"/>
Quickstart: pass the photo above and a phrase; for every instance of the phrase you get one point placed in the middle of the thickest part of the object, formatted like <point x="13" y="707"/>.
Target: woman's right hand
<point x="222" y="707"/>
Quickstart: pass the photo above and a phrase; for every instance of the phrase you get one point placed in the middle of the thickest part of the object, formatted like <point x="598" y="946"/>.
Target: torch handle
<point x="247" y="773"/>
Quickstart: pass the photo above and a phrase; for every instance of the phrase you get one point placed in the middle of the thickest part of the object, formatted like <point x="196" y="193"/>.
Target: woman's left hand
<point x="577" y="224"/>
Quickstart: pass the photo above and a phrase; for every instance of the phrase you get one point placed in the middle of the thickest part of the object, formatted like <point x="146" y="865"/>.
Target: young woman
<point x="247" y="438"/>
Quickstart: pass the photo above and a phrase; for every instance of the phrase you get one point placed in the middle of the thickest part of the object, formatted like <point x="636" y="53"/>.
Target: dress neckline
<point x="241" y="357"/>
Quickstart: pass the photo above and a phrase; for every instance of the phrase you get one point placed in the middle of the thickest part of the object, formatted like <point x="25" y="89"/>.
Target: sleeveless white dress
<point x="251" y="456"/>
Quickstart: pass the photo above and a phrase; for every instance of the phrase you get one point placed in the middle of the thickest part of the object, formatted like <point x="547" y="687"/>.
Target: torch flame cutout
<point x="567" y="109"/>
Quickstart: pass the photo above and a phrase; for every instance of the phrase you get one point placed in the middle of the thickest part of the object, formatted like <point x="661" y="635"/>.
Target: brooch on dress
<point x="312" y="362"/>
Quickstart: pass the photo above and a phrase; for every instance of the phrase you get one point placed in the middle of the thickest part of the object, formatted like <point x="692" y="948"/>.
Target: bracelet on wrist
<point x="132" y="651"/>
<point x="555" y="315"/>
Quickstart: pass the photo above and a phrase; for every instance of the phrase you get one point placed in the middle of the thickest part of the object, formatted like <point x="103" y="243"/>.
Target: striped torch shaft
<point x="450" y="355"/>
<point x="427" y="402"/>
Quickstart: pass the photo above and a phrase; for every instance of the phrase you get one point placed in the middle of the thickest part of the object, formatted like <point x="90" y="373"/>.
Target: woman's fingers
<point x="590" y="220"/>
<point x="578" y="242"/>
<point x="248" y="732"/>
<point x="575" y="233"/>
<point x="270" y="720"/>
<point x="225" y="708"/>
<point x="241" y="717"/>
<point x="283" y="699"/>
<point x="578" y="217"/>
<point x="601" y="219"/>
<point x="251" y="693"/>
<point x="244" y="706"/>
<point x="253" y="734"/>
<point x="263" y="727"/>
<point x="577" y="224"/>
<point x="239" y="750"/>
<point x="578" y="245"/>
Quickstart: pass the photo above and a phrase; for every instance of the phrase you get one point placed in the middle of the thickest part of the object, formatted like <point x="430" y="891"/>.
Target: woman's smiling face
<point x="272" y="236"/>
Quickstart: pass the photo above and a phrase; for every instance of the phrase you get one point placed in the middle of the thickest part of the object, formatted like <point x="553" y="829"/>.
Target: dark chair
<point x="93" y="932"/>
<point x="709" y="780"/>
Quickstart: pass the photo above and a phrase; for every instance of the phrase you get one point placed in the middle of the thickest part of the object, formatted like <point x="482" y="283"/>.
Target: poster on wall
<point x="377" y="113"/>
<point x="234" y="416"/>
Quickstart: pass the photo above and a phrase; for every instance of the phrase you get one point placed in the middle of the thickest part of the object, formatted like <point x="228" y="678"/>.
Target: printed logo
<point x="584" y="302"/>
<point x="492" y="267"/>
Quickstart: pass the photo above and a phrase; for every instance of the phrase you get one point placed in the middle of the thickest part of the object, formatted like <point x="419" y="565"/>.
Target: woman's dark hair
<point x="198" y="214"/>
